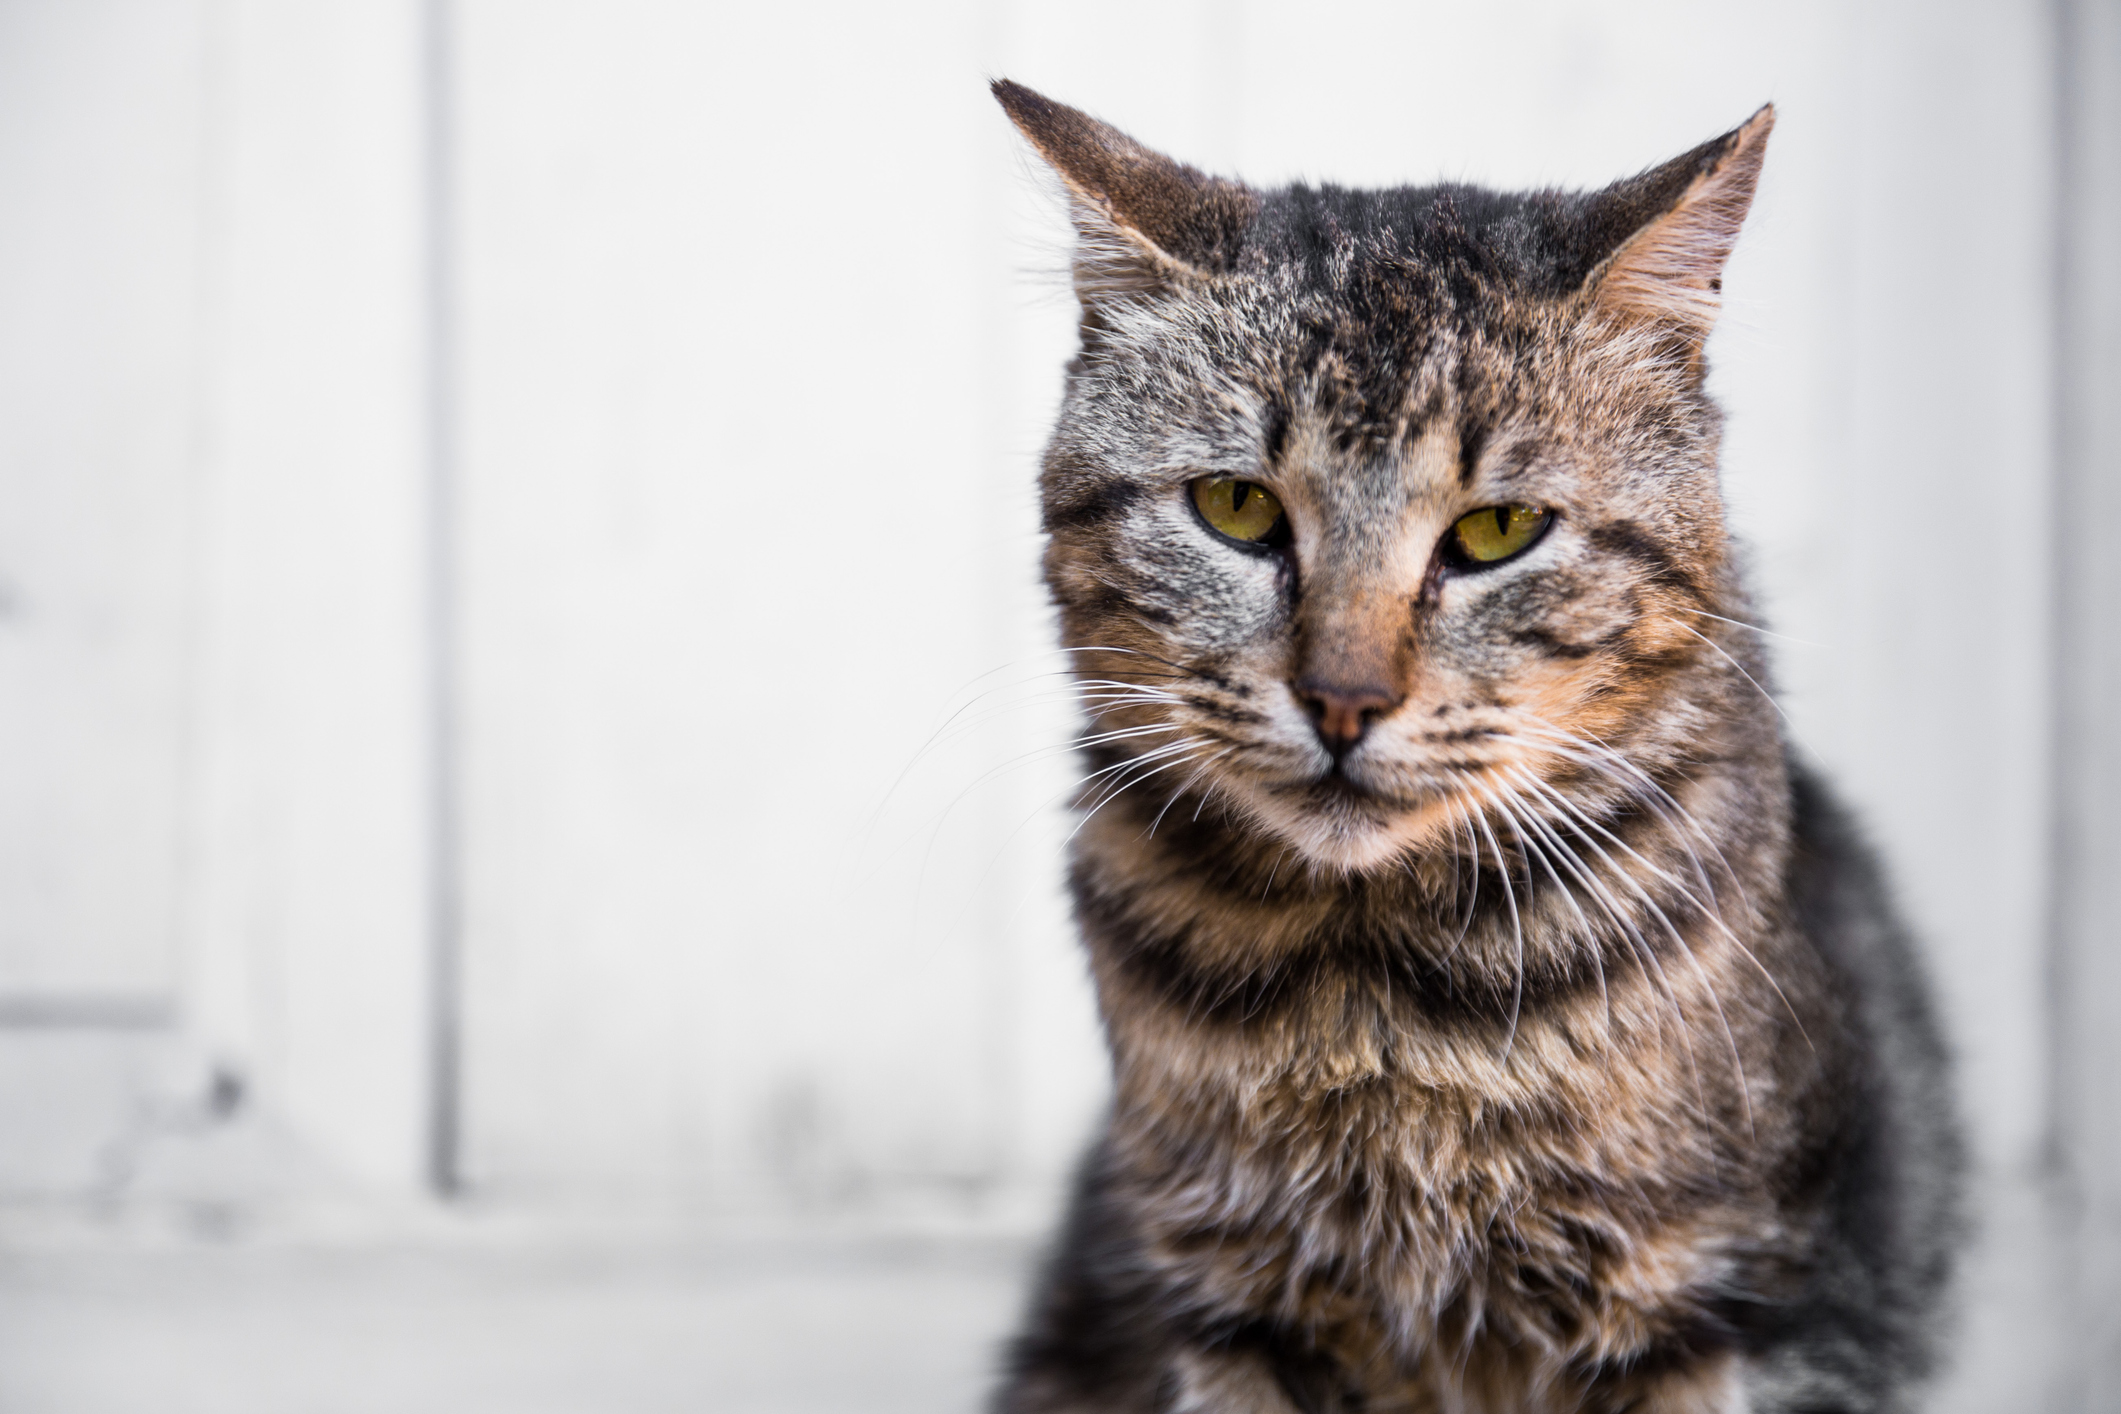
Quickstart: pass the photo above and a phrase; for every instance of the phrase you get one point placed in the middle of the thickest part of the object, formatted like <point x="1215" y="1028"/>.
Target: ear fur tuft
<point x="1143" y="219"/>
<point x="1667" y="277"/>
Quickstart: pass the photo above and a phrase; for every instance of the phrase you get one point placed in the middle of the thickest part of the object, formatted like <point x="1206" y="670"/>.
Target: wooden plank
<point x="99" y="261"/>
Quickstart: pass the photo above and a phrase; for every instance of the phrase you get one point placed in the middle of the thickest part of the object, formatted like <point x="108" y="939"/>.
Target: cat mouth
<point x="1337" y="785"/>
<point x="1338" y="792"/>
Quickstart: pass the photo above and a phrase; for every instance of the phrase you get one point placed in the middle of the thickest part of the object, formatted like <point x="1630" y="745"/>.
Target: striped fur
<point x="1551" y="1049"/>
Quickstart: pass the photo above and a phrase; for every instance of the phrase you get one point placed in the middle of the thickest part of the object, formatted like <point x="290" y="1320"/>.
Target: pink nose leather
<point x="1342" y="714"/>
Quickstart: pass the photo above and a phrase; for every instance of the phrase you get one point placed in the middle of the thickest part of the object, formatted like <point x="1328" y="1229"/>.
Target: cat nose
<point x="1340" y="713"/>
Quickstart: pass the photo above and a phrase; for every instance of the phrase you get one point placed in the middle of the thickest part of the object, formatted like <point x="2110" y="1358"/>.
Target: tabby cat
<point x="1502" y="1020"/>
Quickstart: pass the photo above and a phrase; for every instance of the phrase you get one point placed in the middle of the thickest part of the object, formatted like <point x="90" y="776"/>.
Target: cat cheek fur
<point x="1500" y="1019"/>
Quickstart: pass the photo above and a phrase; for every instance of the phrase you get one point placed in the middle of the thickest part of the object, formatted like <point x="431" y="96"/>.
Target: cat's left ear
<point x="1681" y="222"/>
<point x="1143" y="222"/>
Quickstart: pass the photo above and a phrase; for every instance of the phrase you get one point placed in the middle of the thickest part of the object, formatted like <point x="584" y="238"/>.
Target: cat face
<point x="1370" y="513"/>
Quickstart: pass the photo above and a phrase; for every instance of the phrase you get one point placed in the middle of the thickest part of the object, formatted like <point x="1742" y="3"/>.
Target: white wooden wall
<point x="563" y="460"/>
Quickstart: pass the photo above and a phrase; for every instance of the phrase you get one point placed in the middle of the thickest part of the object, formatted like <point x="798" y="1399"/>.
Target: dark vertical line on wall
<point x="2058" y="1265"/>
<point x="2055" y="1156"/>
<point x="445" y="1127"/>
<point x="2084" y="975"/>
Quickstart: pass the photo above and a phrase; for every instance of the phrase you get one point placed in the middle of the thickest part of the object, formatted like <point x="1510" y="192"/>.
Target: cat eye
<point x="1244" y="511"/>
<point x="1494" y="533"/>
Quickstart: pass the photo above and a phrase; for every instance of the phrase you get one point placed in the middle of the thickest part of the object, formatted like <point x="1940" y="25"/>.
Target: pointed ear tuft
<point x="1143" y="220"/>
<point x="1666" y="277"/>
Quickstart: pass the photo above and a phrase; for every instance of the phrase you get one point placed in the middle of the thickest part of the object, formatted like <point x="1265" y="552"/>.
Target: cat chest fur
<point x="1401" y="1182"/>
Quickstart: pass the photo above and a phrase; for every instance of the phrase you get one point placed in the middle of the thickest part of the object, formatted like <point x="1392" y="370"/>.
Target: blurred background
<point x="529" y="810"/>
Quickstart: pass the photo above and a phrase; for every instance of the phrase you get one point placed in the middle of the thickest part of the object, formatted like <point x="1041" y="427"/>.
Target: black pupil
<point x="1239" y="494"/>
<point x="1502" y="521"/>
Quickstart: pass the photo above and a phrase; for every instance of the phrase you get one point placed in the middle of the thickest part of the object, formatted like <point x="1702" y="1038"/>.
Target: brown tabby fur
<point x="1550" y="1049"/>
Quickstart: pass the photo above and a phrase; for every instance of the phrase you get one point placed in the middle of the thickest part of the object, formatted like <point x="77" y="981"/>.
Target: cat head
<point x="1371" y="511"/>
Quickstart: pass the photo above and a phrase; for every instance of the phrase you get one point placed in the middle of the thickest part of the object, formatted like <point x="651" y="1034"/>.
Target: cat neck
<point x="1222" y="959"/>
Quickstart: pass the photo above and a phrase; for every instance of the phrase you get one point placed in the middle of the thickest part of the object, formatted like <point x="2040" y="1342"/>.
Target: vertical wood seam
<point x="445" y="866"/>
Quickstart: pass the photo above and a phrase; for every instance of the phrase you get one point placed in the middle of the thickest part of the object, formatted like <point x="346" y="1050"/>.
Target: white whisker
<point x="1664" y="920"/>
<point x="1717" y="648"/>
<point x="1756" y="628"/>
<point x="1185" y="786"/>
<point x="1638" y="784"/>
<point x="1509" y="888"/>
<point x="1646" y="955"/>
<point x="1537" y="825"/>
<point x="1706" y="907"/>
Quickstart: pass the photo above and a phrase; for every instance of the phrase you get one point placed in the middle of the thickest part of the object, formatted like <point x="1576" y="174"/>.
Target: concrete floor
<point x="452" y="1314"/>
<point x="873" y="1329"/>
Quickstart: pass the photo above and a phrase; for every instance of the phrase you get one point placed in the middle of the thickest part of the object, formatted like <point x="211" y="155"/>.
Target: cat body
<point x="1499" y="1019"/>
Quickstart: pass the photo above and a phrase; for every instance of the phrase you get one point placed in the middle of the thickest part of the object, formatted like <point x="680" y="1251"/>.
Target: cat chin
<point x="1330" y="845"/>
<point x="1350" y="836"/>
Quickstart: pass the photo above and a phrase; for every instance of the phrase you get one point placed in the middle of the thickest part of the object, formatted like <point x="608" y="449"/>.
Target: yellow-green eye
<point x="1497" y="532"/>
<point x="1242" y="510"/>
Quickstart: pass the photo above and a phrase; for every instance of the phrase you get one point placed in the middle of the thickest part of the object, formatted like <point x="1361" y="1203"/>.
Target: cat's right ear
<point x="1143" y="222"/>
